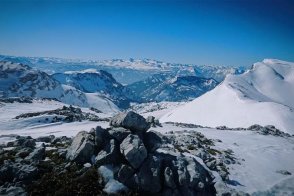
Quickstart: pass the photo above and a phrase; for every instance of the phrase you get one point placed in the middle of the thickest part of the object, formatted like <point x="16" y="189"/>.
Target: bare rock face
<point x="125" y="174"/>
<point x="119" y="133"/>
<point x="133" y="150"/>
<point x="150" y="175"/>
<point x="109" y="155"/>
<point x="130" y="120"/>
<point x="101" y="136"/>
<point x="82" y="148"/>
<point x="152" y="141"/>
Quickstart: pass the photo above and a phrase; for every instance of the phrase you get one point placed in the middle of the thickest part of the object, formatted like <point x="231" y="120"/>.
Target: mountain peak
<point x="264" y="95"/>
<point x="11" y="66"/>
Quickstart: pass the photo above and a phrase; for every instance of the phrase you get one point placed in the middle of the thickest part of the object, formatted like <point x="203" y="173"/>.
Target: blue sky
<point x="235" y="32"/>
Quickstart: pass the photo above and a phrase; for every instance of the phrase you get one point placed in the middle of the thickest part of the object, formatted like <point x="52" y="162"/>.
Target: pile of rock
<point x="268" y="130"/>
<point x="125" y="158"/>
<point x="138" y="160"/>
<point x="184" y="125"/>
<point x="65" y="114"/>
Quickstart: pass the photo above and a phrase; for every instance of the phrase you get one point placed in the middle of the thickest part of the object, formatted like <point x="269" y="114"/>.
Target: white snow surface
<point x="38" y="126"/>
<point x="259" y="157"/>
<point x="263" y="95"/>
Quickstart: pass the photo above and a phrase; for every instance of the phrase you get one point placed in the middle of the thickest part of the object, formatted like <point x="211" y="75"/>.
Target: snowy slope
<point x="36" y="126"/>
<point x="18" y="80"/>
<point x="264" y="95"/>
<point x="259" y="157"/>
<point x="93" y="81"/>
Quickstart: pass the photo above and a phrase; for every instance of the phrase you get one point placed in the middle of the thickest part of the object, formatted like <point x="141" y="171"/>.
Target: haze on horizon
<point x="198" y="32"/>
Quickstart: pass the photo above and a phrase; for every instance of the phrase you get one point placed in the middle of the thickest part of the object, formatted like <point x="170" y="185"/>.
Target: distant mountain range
<point x="119" y="81"/>
<point x="126" y="71"/>
<point x="92" y="81"/>
<point x="162" y="87"/>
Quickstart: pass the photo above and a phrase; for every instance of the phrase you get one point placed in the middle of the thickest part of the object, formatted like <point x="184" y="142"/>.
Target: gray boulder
<point x="24" y="152"/>
<point x="255" y="127"/>
<point x="101" y="137"/>
<point x="119" y="133"/>
<point x="149" y="175"/>
<point x="46" y="139"/>
<point x="109" y="155"/>
<point x="62" y="139"/>
<point x="150" y="120"/>
<point x="169" y="178"/>
<point x="125" y="173"/>
<point x="152" y="141"/>
<point x="37" y="155"/>
<point x="130" y="120"/>
<point x="82" y="148"/>
<point x="192" y="175"/>
<point x="23" y="142"/>
<point x="133" y="150"/>
<point x="31" y="143"/>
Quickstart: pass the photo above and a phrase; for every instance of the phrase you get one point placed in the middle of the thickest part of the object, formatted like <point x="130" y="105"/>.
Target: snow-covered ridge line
<point x="264" y="95"/>
<point x="127" y="71"/>
<point x="18" y="80"/>
<point x="82" y="71"/>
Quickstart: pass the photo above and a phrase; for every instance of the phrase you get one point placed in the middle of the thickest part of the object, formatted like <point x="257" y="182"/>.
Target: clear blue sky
<point x="216" y="32"/>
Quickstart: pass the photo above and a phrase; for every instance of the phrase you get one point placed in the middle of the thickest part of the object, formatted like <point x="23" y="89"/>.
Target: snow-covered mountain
<point x="92" y="81"/>
<point x="263" y="95"/>
<point x="162" y="87"/>
<point x="126" y="71"/>
<point x="17" y="80"/>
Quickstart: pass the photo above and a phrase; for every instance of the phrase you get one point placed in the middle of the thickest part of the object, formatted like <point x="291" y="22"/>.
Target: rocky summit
<point x="122" y="159"/>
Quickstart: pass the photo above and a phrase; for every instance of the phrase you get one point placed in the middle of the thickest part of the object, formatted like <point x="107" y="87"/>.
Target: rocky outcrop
<point x="140" y="160"/>
<point x="64" y="114"/>
<point x="268" y="130"/>
<point x="150" y="173"/>
<point x="124" y="159"/>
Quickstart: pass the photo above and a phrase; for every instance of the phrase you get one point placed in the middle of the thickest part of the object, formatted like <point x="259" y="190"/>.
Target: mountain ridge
<point x="259" y="96"/>
<point x="18" y="80"/>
